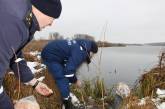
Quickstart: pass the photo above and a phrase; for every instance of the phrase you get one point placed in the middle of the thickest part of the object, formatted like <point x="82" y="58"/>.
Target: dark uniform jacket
<point x="69" y="53"/>
<point x="17" y="26"/>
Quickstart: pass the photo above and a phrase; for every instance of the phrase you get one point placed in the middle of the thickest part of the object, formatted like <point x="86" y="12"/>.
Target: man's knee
<point x="58" y="75"/>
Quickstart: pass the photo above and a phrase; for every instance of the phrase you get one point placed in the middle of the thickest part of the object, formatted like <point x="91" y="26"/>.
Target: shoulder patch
<point x="69" y="42"/>
<point x="28" y="19"/>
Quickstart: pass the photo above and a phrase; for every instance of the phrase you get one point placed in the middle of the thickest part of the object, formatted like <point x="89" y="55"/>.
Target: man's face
<point x="43" y="19"/>
<point x="46" y="22"/>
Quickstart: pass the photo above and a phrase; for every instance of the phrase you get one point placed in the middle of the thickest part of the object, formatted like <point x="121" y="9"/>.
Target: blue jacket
<point x="14" y="35"/>
<point x="70" y="53"/>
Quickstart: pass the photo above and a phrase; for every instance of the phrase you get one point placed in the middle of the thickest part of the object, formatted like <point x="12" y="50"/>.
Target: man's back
<point x="13" y="32"/>
<point x="17" y="8"/>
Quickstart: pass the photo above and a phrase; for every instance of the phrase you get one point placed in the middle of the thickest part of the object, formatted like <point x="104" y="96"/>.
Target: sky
<point x="124" y="21"/>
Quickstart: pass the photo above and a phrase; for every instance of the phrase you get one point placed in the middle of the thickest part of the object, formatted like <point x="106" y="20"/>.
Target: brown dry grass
<point x="147" y="86"/>
<point x="11" y="84"/>
<point x="148" y="83"/>
<point x="35" y="45"/>
<point x="52" y="102"/>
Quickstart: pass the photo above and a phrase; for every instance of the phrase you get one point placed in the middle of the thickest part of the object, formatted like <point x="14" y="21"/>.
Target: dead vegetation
<point x="146" y="87"/>
<point x="148" y="83"/>
<point x="11" y="84"/>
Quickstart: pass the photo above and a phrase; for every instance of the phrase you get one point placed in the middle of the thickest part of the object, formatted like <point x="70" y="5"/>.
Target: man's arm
<point x="20" y="68"/>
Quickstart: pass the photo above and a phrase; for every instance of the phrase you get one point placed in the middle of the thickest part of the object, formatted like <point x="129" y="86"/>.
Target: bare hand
<point x="78" y="84"/>
<point x="43" y="89"/>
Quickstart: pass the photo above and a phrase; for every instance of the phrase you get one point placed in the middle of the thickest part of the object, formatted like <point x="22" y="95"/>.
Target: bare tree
<point x="84" y="36"/>
<point x="55" y="35"/>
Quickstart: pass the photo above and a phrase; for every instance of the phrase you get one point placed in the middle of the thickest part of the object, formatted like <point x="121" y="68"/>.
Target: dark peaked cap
<point x="51" y="8"/>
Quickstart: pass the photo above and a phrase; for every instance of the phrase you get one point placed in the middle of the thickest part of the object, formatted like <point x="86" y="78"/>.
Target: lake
<point x="121" y="64"/>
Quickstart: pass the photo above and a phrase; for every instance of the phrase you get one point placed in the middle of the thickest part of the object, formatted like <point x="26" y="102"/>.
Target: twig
<point x="82" y="98"/>
<point x="102" y="90"/>
<point x="19" y="79"/>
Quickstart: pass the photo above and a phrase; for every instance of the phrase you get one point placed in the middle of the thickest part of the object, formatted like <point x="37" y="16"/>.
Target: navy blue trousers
<point x="57" y="71"/>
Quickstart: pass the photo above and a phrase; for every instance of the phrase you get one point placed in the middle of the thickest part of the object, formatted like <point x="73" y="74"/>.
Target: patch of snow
<point x="157" y="101"/>
<point x="74" y="99"/>
<point x="39" y="70"/>
<point x="41" y="78"/>
<point x="160" y="105"/>
<point x="160" y="93"/>
<point x="39" y="57"/>
<point x="43" y="66"/>
<point x="142" y="102"/>
<point x="34" y="53"/>
<point x="32" y="66"/>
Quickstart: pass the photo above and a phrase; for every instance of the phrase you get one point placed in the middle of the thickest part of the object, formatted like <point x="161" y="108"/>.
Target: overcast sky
<point x="128" y="21"/>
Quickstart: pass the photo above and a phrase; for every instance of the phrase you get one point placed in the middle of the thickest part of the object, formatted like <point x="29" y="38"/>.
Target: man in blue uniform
<point x="19" y="19"/>
<point x="62" y="58"/>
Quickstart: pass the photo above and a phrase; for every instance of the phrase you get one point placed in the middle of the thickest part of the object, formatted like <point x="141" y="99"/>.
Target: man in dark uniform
<point x="19" y="19"/>
<point x="63" y="57"/>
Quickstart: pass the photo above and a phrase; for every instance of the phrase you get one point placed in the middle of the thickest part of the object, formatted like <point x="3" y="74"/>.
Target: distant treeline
<point x="56" y="35"/>
<point x="156" y="44"/>
<point x="108" y="44"/>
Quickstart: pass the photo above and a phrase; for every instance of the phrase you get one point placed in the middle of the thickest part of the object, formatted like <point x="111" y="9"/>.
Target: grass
<point x="52" y="102"/>
<point x="152" y="80"/>
<point x="35" y="45"/>
<point x="96" y="90"/>
<point x="11" y="84"/>
<point x="91" y="93"/>
<point x="147" y="86"/>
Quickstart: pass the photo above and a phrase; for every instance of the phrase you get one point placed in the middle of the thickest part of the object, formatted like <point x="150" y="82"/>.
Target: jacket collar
<point x="34" y="25"/>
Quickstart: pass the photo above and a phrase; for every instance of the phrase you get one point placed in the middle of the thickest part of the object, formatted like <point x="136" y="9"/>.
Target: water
<point x="122" y="64"/>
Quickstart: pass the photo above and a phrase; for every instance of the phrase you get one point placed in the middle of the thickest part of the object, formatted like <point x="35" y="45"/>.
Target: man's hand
<point x="40" y="87"/>
<point x="43" y="89"/>
<point x="78" y="84"/>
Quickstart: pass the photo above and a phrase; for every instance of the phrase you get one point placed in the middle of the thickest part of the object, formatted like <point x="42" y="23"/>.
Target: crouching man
<point x="19" y="20"/>
<point x="63" y="57"/>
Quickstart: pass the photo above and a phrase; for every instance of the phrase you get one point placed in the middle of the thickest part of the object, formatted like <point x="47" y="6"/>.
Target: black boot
<point x="68" y="104"/>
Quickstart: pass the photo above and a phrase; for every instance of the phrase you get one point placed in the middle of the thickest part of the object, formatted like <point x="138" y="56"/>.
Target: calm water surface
<point x="122" y="64"/>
